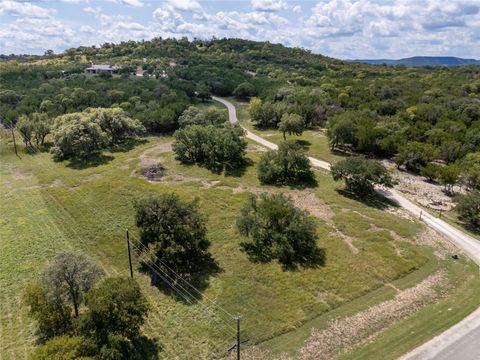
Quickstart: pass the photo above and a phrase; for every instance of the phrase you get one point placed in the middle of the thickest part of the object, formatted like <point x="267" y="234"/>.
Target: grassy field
<point x="48" y="207"/>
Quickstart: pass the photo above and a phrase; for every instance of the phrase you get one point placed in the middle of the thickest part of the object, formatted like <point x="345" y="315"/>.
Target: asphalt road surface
<point x="461" y="341"/>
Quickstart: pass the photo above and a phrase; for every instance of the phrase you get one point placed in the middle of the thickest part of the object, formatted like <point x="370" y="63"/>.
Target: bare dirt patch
<point x="418" y="189"/>
<point x="18" y="175"/>
<point x="255" y="148"/>
<point x="341" y="335"/>
<point x="430" y="237"/>
<point x="154" y="172"/>
<point x="147" y="158"/>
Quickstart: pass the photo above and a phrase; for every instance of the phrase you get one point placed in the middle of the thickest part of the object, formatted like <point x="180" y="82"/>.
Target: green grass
<point x="48" y="207"/>
<point x="314" y="142"/>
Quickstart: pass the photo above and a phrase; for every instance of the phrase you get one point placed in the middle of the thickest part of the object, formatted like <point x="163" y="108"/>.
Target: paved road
<point x="460" y="342"/>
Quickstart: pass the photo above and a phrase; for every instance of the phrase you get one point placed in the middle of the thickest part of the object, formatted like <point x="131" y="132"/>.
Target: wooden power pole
<point x="129" y="253"/>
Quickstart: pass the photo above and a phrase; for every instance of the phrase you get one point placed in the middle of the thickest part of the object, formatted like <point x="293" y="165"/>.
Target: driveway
<point x="461" y="341"/>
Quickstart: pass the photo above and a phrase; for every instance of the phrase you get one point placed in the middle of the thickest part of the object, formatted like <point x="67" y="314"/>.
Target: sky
<point x="346" y="29"/>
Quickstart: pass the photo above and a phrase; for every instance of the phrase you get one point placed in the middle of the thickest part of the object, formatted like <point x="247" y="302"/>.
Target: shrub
<point x="468" y="207"/>
<point x="287" y="165"/>
<point x="291" y="124"/>
<point x="173" y="231"/>
<point x="278" y="230"/>
<point x="361" y="175"/>
<point x="244" y="90"/>
<point x="216" y="148"/>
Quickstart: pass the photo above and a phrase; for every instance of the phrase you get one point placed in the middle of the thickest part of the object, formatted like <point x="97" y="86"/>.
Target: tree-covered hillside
<point x="417" y="115"/>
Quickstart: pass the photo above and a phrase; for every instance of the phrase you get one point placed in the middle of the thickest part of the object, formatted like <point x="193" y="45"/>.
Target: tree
<point x="64" y="348"/>
<point x="287" y="165"/>
<point x="173" y="231"/>
<point x="470" y="170"/>
<point x="361" y="175"/>
<point x="69" y="277"/>
<point x="430" y="171"/>
<point x="76" y="136"/>
<point x="291" y="124"/>
<point x="415" y="155"/>
<point x="262" y="114"/>
<point x="115" y="123"/>
<point x="448" y="176"/>
<point x="278" y="230"/>
<point x="216" y="148"/>
<point x="25" y="128"/>
<point x="468" y="206"/>
<point x="203" y="92"/>
<point x="194" y="116"/>
<point x="116" y="311"/>
<point x="341" y="131"/>
<point x="52" y="315"/>
<point x="244" y="91"/>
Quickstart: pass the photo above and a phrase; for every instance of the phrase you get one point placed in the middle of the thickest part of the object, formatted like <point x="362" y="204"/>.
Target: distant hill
<point x="417" y="61"/>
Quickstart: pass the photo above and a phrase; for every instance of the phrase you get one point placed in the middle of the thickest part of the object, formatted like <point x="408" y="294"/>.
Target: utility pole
<point x="13" y="136"/>
<point x="238" y="336"/>
<point x="129" y="254"/>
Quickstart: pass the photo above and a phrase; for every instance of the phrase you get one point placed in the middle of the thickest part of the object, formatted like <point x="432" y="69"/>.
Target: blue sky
<point x="344" y="29"/>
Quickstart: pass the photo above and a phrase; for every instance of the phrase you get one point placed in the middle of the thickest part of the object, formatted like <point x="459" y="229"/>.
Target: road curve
<point x="461" y="341"/>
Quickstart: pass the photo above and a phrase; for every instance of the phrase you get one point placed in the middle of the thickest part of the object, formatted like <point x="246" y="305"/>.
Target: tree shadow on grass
<point x="313" y="259"/>
<point x="94" y="161"/>
<point x="239" y="170"/>
<point x="372" y="199"/>
<point x="185" y="287"/>
<point x="127" y="145"/>
<point x="147" y="348"/>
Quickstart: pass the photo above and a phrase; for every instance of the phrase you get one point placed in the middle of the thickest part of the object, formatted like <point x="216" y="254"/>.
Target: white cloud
<point x="92" y="10"/>
<point x="22" y="9"/>
<point x="134" y="3"/>
<point x="297" y="9"/>
<point x="185" y="5"/>
<point x="268" y="5"/>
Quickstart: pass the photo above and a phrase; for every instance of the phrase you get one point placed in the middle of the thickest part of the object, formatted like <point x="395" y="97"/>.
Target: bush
<point x="173" y="231"/>
<point x="287" y="165"/>
<point x="194" y="116"/>
<point x="63" y="348"/>
<point x="291" y="124"/>
<point x="76" y="136"/>
<point x="216" y="148"/>
<point x="361" y="175"/>
<point x="244" y="91"/>
<point x="415" y="155"/>
<point x="468" y="207"/>
<point x="278" y="230"/>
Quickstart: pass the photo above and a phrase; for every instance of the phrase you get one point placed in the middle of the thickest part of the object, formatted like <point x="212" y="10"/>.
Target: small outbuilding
<point x="94" y="69"/>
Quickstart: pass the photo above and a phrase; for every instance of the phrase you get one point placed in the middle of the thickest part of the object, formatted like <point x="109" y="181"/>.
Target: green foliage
<point x="341" y="131"/>
<point x="116" y="311"/>
<point x="361" y="175"/>
<point x="448" y="176"/>
<point x="76" y="136"/>
<point x="470" y="170"/>
<point x="69" y="277"/>
<point x="173" y="232"/>
<point x="430" y="171"/>
<point x="53" y="316"/>
<point x="468" y="206"/>
<point x="218" y="148"/>
<point x="291" y="124"/>
<point x="263" y="114"/>
<point x="245" y="90"/>
<point x="415" y="155"/>
<point x="287" y="165"/>
<point x="115" y="123"/>
<point x="83" y="135"/>
<point x="195" y="116"/>
<point x="278" y="230"/>
<point x="64" y="348"/>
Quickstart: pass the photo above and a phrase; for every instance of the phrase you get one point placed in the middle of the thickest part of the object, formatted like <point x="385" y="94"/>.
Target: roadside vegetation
<point x="258" y="233"/>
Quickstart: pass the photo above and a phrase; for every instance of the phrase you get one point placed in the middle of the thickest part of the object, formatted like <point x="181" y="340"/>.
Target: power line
<point x="209" y="310"/>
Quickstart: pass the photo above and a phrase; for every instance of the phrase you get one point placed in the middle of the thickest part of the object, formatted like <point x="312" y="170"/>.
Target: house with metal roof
<point x="94" y="69"/>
